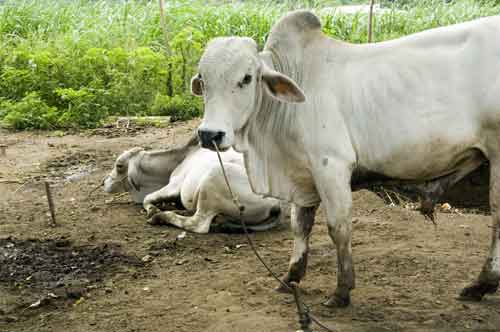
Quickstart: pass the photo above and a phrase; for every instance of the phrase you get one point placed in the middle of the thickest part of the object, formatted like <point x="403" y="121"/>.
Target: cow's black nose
<point x="208" y="137"/>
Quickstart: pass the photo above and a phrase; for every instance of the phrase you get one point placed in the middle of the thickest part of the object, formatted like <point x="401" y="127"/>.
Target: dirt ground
<point x="104" y="269"/>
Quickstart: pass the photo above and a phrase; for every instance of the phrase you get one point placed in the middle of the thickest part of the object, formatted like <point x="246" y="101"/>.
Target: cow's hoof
<point x="336" y="301"/>
<point x="284" y="289"/>
<point x="158" y="219"/>
<point x="476" y="291"/>
<point x="151" y="211"/>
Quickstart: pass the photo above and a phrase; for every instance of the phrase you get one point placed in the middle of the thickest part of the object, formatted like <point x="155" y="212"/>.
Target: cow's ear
<point x="197" y="85"/>
<point x="282" y="87"/>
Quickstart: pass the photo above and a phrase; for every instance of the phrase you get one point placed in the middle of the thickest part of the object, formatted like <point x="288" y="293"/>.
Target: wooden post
<point x="163" y="23"/>
<point x="51" y="204"/>
<point x="370" y="21"/>
<point x="170" y="87"/>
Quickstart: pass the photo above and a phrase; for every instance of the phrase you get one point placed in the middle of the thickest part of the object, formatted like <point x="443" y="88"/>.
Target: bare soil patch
<point x="131" y="276"/>
<point x="50" y="264"/>
<point x="50" y="274"/>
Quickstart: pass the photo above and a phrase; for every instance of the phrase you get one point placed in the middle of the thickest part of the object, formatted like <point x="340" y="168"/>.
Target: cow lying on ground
<point x="193" y="176"/>
<point x="316" y="117"/>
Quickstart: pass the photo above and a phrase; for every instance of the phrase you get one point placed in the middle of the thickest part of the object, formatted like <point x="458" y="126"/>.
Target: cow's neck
<point x="269" y="142"/>
<point x="274" y="122"/>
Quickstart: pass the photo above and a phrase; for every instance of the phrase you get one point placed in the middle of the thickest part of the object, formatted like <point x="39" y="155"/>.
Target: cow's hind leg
<point x="302" y="221"/>
<point x="335" y="191"/>
<point x="488" y="280"/>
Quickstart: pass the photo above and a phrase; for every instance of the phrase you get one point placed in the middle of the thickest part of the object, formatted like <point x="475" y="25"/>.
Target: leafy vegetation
<point x="72" y="63"/>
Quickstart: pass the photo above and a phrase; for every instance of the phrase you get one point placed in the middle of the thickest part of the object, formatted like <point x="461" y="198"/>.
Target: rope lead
<point x="305" y="318"/>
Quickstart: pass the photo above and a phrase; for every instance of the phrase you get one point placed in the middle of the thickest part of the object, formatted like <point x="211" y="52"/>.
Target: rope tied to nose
<point x="305" y="317"/>
<point x="123" y="178"/>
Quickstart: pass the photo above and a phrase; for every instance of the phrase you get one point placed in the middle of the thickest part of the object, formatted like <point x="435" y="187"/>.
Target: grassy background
<point x="72" y="63"/>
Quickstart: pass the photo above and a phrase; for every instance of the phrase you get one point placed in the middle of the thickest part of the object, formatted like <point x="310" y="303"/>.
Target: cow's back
<point x="389" y="103"/>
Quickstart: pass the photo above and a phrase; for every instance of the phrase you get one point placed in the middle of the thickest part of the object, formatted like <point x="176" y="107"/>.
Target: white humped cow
<point x="316" y="117"/>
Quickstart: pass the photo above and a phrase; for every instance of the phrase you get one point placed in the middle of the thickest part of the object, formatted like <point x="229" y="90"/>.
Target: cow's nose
<point x="207" y="137"/>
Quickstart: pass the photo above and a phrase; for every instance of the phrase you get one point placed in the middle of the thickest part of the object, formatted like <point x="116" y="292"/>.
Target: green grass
<point x="72" y="63"/>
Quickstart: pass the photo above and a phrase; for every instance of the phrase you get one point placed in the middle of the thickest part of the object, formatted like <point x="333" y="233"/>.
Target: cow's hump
<point x="298" y="21"/>
<point x="293" y="30"/>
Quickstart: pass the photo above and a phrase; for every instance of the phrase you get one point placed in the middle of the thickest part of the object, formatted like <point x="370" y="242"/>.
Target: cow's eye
<point x="246" y="80"/>
<point x="119" y="167"/>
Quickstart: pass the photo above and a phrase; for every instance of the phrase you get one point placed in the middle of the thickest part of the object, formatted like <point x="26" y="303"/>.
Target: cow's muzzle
<point x="209" y="137"/>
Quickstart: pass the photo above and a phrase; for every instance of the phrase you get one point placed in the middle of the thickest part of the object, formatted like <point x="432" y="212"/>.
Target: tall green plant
<point x="81" y="60"/>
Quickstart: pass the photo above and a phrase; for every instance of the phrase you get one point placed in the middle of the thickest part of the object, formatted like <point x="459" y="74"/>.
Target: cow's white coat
<point x="420" y="108"/>
<point x="194" y="176"/>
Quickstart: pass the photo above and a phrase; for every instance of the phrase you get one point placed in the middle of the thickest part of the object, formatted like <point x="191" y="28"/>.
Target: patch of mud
<point x="111" y="131"/>
<point x="71" y="167"/>
<point x="45" y="275"/>
<point x="50" y="264"/>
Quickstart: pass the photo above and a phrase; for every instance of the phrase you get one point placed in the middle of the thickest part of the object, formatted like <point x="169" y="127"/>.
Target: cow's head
<point x="232" y="79"/>
<point x="118" y="180"/>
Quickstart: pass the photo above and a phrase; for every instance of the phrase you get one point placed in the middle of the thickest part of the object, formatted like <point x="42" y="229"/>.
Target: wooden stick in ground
<point x="370" y="21"/>
<point x="51" y="204"/>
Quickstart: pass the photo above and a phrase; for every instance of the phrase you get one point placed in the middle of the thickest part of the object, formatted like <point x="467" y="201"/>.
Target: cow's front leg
<point x="335" y="191"/>
<point x="198" y="223"/>
<point x="168" y="193"/>
<point x="302" y="220"/>
<point x="488" y="280"/>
